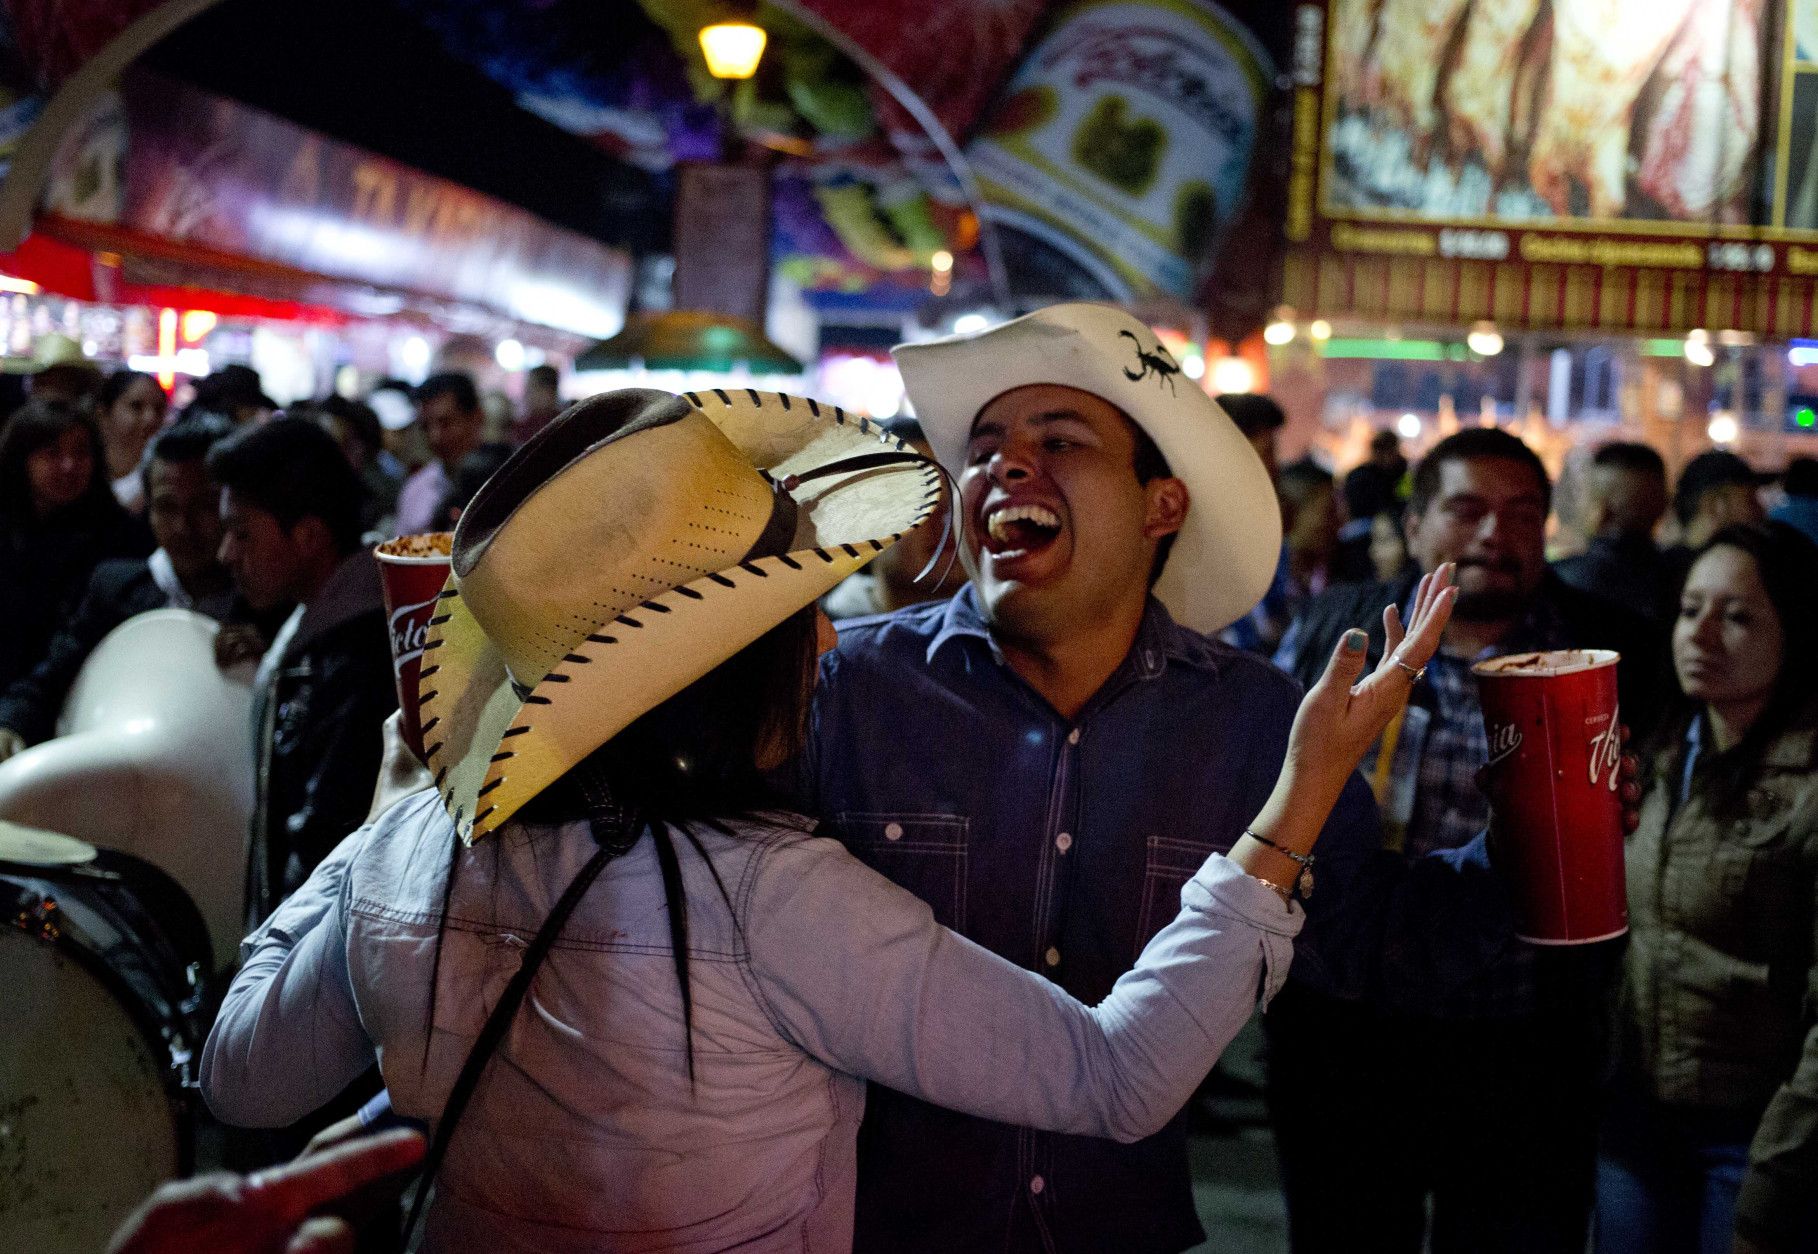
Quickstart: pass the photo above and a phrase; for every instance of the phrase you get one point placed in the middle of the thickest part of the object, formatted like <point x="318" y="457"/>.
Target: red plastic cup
<point x="412" y="569"/>
<point x="1555" y="763"/>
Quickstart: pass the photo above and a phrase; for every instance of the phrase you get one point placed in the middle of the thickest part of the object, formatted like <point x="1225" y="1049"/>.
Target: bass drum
<point x="105" y="964"/>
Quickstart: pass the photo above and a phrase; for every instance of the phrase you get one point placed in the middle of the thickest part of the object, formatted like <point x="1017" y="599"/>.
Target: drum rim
<point x="88" y="848"/>
<point x="67" y="941"/>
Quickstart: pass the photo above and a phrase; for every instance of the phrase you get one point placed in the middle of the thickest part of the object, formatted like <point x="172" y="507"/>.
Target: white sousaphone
<point x="153" y="756"/>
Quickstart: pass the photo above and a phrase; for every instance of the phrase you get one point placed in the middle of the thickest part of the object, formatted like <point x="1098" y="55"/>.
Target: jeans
<point x="1667" y="1177"/>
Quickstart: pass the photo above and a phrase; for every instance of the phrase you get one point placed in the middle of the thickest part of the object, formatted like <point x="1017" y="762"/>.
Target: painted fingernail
<point x="1355" y="640"/>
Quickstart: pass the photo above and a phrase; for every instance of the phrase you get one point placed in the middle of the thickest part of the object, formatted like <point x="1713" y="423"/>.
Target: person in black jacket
<point x="1626" y="495"/>
<point x="290" y="505"/>
<point x="58" y="518"/>
<point x="1484" y="1100"/>
<point x="184" y="509"/>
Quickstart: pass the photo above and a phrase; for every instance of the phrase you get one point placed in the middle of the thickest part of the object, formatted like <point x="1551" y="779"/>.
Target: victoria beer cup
<point x="412" y="570"/>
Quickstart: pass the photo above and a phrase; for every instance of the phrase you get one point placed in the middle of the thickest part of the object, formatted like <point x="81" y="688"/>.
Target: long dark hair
<point x="115" y="385"/>
<point x="39" y="422"/>
<point x="1787" y="564"/>
<point x="705" y="758"/>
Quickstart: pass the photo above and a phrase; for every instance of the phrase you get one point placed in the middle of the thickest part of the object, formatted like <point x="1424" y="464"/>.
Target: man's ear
<point x="1166" y="511"/>
<point x="311" y="534"/>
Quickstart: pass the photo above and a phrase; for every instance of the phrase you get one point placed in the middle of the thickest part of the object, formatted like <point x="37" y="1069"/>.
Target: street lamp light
<point x="732" y="49"/>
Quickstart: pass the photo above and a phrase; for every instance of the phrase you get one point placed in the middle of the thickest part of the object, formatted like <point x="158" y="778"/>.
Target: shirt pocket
<point x="924" y="853"/>
<point x="1169" y="865"/>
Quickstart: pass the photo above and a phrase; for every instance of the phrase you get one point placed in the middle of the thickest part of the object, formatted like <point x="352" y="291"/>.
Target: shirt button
<point x="893" y="831"/>
<point x="1037" y="1185"/>
<point x="1052" y="958"/>
<point x="1064" y="841"/>
<point x="1073" y="739"/>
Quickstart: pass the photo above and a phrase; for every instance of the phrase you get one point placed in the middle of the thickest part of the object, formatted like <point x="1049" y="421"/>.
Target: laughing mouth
<point x="1017" y="529"/>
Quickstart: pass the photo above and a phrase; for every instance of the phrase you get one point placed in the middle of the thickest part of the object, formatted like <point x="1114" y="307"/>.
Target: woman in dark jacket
<point x="1710" y="1144"/>
<point x="58" y="518"/>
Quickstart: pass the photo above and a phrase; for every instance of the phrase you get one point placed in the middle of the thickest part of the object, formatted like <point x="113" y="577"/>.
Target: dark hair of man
<point x="292" y="469"/>
<point x="362" y="423"/>
<point x="905" y="429"/>
<point x="1467" y="444"/>
<point x="1301" y="478"/>
<point x="1253" y="412"/>
<point x="452" y="384"/>
<point x="190" y="439"/>
<point x="41" y="421"/>
<point x="469" y="477"/>
<point x="1801" y="478"/>
<point x="1787" y="563"/>
<point x="544" y="376"/>
<point x="691" y="762"/>
<point x="1628" y="455"/>
<point x="1710" y="470"/>
<point x="116" y="384"/>
<point x="1151" y="464"/>
<point x="230" y="388"/>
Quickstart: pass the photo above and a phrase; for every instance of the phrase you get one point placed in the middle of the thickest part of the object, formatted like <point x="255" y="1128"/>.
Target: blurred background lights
<point x="198" y="323"/>
<point x="414" y="355"/>
<point x="863" y="384"/>
<point x="1722" y="429"/>
<point x="1233" y="374"/>
<point x="509" y="354"/>
<point x="1320" y="329"/>
<point x="1408" y="426"/>
<point x="1805" y="418"/>
<point x="1193" y="365"/>
<point x="1698" y="349"/>
<point x="968" y="324"/>
<point x="1484" y="340"/>
<point x="1279" y="332"/>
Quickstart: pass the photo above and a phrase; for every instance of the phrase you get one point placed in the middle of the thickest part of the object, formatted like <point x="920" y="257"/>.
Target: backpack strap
<point x="615" y="832"/>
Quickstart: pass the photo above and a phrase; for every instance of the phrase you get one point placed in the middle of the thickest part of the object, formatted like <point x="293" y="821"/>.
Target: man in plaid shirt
<point x="1483" y="1099"/>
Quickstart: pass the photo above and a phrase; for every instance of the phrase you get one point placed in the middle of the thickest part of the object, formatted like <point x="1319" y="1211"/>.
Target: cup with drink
<point x="412" y="570"/>
<point x="1555" y="769"/>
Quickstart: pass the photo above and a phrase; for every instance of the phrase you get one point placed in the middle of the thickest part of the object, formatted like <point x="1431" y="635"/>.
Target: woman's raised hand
<point x="1341" y="717"/>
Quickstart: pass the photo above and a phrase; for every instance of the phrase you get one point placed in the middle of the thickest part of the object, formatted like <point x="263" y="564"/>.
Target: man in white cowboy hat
<point x="1047" y="756"/>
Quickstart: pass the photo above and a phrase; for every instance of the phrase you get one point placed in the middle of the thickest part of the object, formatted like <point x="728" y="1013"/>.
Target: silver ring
<point x="1413" y="675"/>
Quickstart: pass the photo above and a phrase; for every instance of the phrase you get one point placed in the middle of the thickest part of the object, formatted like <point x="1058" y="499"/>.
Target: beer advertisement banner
<point x="1613" y="164"/>
<point x="1124" y="140"/>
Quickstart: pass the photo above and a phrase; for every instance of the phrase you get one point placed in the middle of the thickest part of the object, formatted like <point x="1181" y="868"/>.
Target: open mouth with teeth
<point x="1013" y="530"/>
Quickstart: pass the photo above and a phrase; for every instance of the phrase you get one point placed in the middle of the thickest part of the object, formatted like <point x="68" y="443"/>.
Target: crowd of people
<point x="1022" y="846"/>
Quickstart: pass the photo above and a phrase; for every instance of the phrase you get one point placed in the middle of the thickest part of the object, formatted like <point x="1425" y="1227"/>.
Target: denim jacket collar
<point x="1158" y="639"/>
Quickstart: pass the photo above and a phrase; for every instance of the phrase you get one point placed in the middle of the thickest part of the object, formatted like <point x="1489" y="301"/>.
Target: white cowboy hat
<point x="631" y="546"/>
<point x="1226" y="554"/>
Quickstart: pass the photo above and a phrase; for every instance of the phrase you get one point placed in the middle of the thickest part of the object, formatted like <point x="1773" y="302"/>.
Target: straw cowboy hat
<point x="53" y="349"/>
<point x="627" y="549"/>
<point x="1226" y="554"/>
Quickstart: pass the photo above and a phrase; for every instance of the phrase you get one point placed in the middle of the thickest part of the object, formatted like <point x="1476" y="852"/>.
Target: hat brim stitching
<point x="473" y="828"/>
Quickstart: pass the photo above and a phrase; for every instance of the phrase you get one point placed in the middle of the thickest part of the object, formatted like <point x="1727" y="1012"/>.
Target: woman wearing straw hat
<point x="636" y="1002"/>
